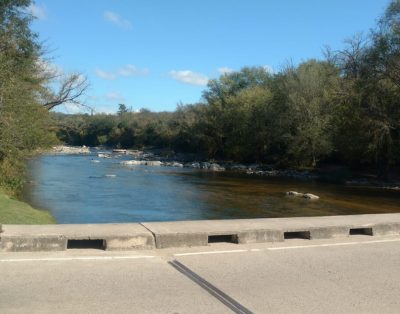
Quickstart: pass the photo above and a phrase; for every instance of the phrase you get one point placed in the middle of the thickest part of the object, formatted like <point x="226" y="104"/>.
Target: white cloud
<point x="38" y="11"/>
<point x="224" y="70"/>
<point x="269" y="69"/>
<point x="126" y="71"/>
<point x="114" y="18"/>
<point x="115" y="97"/>
<point x="131" y="70"/>
<point x="105" y="75"/>
<point x="189" y="77"/>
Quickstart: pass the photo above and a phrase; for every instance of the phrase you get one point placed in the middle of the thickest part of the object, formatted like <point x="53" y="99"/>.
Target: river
<point x="75" y="189"/>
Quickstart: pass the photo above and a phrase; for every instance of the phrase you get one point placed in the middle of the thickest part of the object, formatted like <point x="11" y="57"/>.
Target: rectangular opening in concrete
<point x="361" y="231"/>
<point x="223" y="238"/>
<point x="296" y="235"/>
<point x="97" y="244"/>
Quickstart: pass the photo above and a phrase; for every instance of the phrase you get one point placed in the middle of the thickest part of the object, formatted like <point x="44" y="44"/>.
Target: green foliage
<point x="24" y="124"/>
<point x="345" y="109"/>
<point x="310" y="90"/>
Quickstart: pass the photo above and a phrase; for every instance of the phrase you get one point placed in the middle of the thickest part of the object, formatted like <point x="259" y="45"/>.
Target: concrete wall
<point x="134" y="236"/>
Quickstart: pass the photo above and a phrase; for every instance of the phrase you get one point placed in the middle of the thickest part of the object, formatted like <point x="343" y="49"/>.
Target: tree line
<point x="342" y="109"/>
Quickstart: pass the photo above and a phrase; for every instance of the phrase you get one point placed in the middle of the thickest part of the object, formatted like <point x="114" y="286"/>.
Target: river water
<point x="75" y="189"/>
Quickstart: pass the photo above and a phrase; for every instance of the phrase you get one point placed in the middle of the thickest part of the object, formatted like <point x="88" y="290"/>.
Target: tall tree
<point x="24" y="123"/>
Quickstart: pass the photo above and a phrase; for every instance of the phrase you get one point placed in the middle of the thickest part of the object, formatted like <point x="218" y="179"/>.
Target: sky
<point x="155" y="54"/>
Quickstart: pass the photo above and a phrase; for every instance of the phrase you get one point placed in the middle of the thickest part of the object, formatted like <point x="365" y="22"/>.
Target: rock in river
<point x="294" y="193"/>
<point x="133" y="162"/>
<point x="70" y="150"/>
<point x="216" y="167"/>
<point x="310" y="196"/>
<point x="153" y="163"/>
<point x="142" y="162"/>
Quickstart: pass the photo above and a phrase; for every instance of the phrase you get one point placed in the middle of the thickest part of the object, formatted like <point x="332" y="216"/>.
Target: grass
<point x="13" y="211"/>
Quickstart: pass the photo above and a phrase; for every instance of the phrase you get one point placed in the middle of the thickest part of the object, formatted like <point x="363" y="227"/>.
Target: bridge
<point x="302" y="265"/>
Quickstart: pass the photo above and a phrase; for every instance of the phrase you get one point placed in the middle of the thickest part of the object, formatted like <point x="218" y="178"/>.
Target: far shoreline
<point x="329" y="173"/>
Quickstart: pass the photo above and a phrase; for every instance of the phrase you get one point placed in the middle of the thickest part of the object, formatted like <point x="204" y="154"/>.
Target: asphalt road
<point x="355" y="275"/>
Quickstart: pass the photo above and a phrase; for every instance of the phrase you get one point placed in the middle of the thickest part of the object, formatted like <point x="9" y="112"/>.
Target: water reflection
<point x="77" y="190"/>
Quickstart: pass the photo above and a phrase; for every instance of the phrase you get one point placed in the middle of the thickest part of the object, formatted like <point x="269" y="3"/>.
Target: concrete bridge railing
<point x="134" y="236"/>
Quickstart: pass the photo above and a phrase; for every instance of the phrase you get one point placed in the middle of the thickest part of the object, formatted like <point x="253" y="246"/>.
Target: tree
<point x="310" y="89"/>
<point x="24" y="124"/>
<point x="70" y="90"/>
<point x="122" y="109"/>
<point x="370" y="94"/>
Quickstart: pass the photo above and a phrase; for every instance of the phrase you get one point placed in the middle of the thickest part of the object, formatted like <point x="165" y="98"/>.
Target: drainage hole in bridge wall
<point x="297" y="235"/>
<point x="361" y="231"/>
<point x="87" y="244"/>
<point x="224" y="238"/>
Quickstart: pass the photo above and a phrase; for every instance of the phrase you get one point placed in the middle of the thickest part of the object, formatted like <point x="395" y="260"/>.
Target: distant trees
<point x="343" y="109"/>
<point x="310" y="90"/>
<point x="286" y="118"/>
<point x="368" y="117"/>
<point x="300" y="116"/>
<point x="122" y="109"/>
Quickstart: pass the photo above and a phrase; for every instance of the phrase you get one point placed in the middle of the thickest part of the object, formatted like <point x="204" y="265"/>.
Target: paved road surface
<point x="360" y="274"/>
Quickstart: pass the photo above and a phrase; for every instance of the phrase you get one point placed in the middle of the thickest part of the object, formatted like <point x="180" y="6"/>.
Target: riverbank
<point x="330" y="173"/>
<point x="168" y="158"/>
<point x="13" y="211"/>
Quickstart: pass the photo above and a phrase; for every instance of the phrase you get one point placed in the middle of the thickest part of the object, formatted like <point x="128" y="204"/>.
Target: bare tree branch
<point x="72" y="88"/>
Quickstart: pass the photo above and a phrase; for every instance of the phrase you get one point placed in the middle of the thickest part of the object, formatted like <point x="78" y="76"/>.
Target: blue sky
<point x="155" y="54"/>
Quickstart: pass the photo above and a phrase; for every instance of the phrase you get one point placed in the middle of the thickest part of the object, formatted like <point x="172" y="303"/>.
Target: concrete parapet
<point x="60" y="237"/>
<point x="134" y="236"/>
<point x="195" y="233"/>
<point x="386" y="229"/>
<point x="260" y="236"/>
<point x="329" y="232"/>
<point x="166" y="240"/>
<point x="123" y="243"/>
<point x="199" y="233"/>
<point x="32" y="244"/>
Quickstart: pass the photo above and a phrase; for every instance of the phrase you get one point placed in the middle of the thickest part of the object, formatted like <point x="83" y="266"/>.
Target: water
<point x="77" y="190"/>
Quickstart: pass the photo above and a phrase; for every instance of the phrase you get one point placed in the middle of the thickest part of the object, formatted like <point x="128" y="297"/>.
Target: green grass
<point x="13" y="211"/>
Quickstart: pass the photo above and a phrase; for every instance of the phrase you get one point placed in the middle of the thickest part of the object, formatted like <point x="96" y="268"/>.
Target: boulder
<point x="238" y="167"/>
<point x="70" y="150"/>
<point x="119" y="151"/>
<point x="310" y="196"/>
<point x="153" y="163"/>
<point x="173" y="164"/>
<point x="216" y="167"/>
<point x="133" y="162"/>
<point x="294" y="193"/>
<point x="205" y="165"/>
<point x="104" y="155"/>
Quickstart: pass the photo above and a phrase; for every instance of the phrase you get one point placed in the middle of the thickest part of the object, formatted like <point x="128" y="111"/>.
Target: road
<point x="360" y="274"/>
